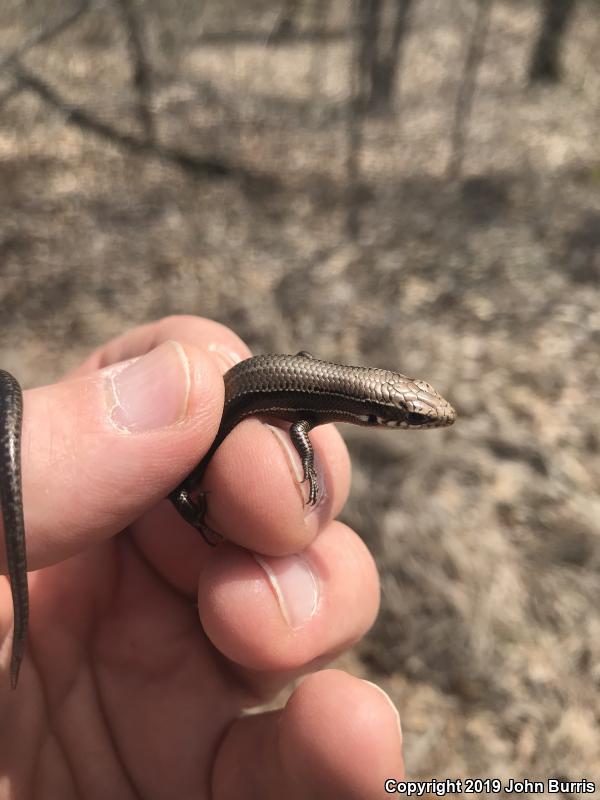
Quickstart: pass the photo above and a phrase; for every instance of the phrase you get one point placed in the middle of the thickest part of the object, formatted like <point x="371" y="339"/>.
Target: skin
<point x="145" y="646"/>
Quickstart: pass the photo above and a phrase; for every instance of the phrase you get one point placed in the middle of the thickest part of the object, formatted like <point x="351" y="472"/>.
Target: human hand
<point x="145" y="646"/>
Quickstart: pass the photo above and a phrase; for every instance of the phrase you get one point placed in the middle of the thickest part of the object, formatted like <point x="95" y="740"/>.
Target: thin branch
<point x="43" y="35"/>
<point x="141" y="69"/>
<point x="370" y="13"/>
<point x="357" y="100"/>
<point x="285" y="23"/>
<point x="296" y="37"/>
<point x="74" y="115"/>
<point x="464" y="100"/>
<point x="11" y="92"/>
<point x="387" y="58"/>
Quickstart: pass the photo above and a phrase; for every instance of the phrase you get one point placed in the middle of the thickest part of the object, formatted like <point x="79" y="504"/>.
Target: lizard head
<point x="410" y="403"/>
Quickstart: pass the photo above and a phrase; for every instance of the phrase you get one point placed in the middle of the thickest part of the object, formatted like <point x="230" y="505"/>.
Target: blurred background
<point x="411" y="184"/>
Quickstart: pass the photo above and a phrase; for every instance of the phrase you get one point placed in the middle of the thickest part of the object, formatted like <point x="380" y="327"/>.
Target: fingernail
<point x="151" y="392"/>
<point x="389" y="699"/>
<point x="226" y="358"/>
<point x="295" y="585"/>
<point x="283" y="437"/>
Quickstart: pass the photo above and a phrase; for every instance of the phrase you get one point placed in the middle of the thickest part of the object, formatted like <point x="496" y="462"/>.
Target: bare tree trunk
<point x="380" y="54"/>
<point x="545" y="61"/>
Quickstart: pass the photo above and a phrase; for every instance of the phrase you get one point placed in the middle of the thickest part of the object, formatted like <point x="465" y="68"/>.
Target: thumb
<point x="101" y="449"/>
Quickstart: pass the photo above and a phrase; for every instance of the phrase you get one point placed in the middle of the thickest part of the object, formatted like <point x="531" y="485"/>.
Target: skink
<point x="11" y="416"/>
<point x="299" y="389"/>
